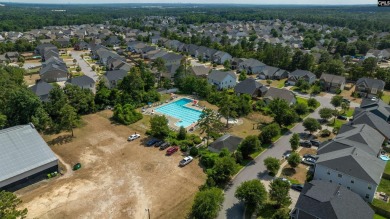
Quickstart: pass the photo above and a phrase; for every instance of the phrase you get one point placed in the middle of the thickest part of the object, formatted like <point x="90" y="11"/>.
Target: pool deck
<point x="172" y="120"/>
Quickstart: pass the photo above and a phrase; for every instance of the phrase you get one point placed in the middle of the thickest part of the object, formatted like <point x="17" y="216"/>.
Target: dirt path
<point x="118" y="179"/>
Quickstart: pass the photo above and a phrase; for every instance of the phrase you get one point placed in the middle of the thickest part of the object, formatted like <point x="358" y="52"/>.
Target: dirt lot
<point x="30" y="79"/>
<point x="118" y="179"/>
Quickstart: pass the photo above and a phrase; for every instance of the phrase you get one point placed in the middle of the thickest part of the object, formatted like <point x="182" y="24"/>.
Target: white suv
<point x="186" y="161"/>
<point x="133" y="137"/>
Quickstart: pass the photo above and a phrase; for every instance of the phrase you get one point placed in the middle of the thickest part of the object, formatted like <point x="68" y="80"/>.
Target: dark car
<point x="297" y="187"/>
<point x="159" y="143"/>
<point x="305" y="144"/>
<point x="310" y="156"/>
<point x="164" y="146"/>
<point x="346" y="100"/>
<point x="309" y="161"/>
<point x="342" y="117"/>
<point x="151" y="142"/>
<point x="315" y="142"/>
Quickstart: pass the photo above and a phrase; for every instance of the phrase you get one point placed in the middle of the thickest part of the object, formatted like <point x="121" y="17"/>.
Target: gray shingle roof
<point x="300" y="73"/>
<point x="269" y="70"/>
<point x="22" y="149"/>
<point x="284" y="94"/>
<point x="331" y="201"/>
<point x="371" y="83"/>
<point x="247" y="86"/>
<point x="115" y="75"/>
<point x="42" y="90"/>
<point x="200" y="70"/>
<point x="377" y="107"/>
<point x="374" y="121"/>
<point x="228" y="141"/>
<point x="336" y="79"/>
<point x="81" y="81"/>
<point x="354" y="162"/>
<point x="217" y="75"/>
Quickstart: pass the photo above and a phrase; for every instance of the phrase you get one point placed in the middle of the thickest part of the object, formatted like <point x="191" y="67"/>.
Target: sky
<point x="259" y="2"/>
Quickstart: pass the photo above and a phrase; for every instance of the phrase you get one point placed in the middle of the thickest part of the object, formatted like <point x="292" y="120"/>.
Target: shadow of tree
<point x="236" y="211"/>
<point x="288" y="171"/>
<point x="63" y="139"/>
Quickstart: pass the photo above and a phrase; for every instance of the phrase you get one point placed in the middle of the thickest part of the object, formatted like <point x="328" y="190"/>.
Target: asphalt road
<point x="232" y="208"/>
<point x="85" y="68"/>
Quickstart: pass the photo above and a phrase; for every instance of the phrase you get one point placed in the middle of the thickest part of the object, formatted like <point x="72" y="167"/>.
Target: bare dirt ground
<point x="118" y="179"/>
<point x="30" y="79"/>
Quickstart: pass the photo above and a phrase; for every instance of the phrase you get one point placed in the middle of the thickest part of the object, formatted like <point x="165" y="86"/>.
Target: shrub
<point x="325" y="133"/>
<point x="184" y="148"/>
<point x="194" y="151"/>
<point x="208" y="160"/>
<point x="197" y="140"/>
<point x="272" y="164"/>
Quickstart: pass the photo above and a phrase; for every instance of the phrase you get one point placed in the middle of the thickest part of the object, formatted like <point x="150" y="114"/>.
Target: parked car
<point x="286" y="154"/>
<point x="133" y="137"/>
<point x="151" y="142"/>
<point x="164" y="146"/>
<point x="284" y="179"/>
<point x="315" y="142"/>
<point x="373" y="98"/>
<point x="342" y="117"/>
<point x="185" y="161"/>
<point x="309" y="161"/>
<point x="297" y="187"/>
<point x="310" y="156"/>
<point x="172" y="150"/>
<point x="306" y="144"/>
<point x="346" y="100"/>
<point x="159" y="143"/>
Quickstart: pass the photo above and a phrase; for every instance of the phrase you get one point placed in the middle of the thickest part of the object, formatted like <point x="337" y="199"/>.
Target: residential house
<point x="42" y="90"/>
<point x="199" y="70"/>
<point x="84" y="82"/>
<point x="63" y="42"/>
<point x="105" y="55"/>
<point x="12" y="56"/>
<point x="55" y="60"/>
<point x="376" y="122"/>
<point x="378" y="54"/>
<point x="39" y="50"/>
<point x="367" y="87"/>
<point x="251" y="87"/>
<point x="221" y="57"/>
<point x="297" y="75"/>
<point x="3" y="59"/>
<point x="53" y="73"/>
<point x="222" y="79"/>
<point x="81" y="46"/>
<point x="112" y="78"/>
<point x="377" y="107"/>
<point x="172" y="59"/>
<point x="351" y="160"/>
<point x="227" y="141"/>
<point x="269" y="72"/>
<point x="170" y="71"/>
<point x="251" y="66"/>
<point x="332" y="83"/>
<point x="274" y="93"/>
<point x="325" y="200"/>
<point x="118" y="63"/>
<point x="112" y="41"/>
<point x="135" y="46"/>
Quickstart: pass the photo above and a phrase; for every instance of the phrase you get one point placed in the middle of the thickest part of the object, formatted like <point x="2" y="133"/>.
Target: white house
<point x="222" y="79"/>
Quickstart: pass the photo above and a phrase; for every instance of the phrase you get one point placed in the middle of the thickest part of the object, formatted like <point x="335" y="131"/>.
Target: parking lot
<point x="118" y="179"/>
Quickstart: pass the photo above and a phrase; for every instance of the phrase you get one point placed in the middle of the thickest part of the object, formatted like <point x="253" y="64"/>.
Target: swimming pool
<point x="176" y="109"/>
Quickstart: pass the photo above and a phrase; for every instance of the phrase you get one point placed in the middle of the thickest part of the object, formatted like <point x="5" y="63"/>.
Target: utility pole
<point x="148" y="212"/>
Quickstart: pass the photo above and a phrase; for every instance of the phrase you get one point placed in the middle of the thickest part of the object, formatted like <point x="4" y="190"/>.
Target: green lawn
<point x="336" y="124"/>
<point x="387" y="168"/>
<point x="381" y="204"/>
<point x="377" y="216"/>
<point x="384" y="186"/>
<point x="386" y="98"/>
<point x="301" y="100"/>
<point x="350" y="112"/>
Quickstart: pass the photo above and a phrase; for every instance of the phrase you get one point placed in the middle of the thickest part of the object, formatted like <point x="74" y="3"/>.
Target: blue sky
<point x="321" y="2"/>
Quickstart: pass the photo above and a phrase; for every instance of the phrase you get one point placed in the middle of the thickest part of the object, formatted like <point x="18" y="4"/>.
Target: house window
<point x="367" y="196"/>
<point x="369" y="187"/>
<point x="352" y="181"/>
<point x="374" y="90"/>
<point x="348" y="187"/>
<point x="328" y="172"/>
<point x="339" y="175"/>
<point x="330" y="181"/>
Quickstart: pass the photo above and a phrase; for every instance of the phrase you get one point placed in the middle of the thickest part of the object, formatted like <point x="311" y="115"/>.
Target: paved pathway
<point x="85" y="68"/>
<point x="232" y="208"/>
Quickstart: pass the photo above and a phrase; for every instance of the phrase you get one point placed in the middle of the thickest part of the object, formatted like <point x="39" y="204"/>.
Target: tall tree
<point x="209" y="122"/>
<point x="272" y="164"/>
<point x="207" y="203"/>
<point x="249" y="145"/>
<point x="311" y="125"/>
<point x="279" y="192"/>
<point x="226" y="108"/>
<point x="9" y="206"/>
<point x="159" y="126"/>
<point x="252" y="193"/>
<point x="294" y="141"/>
<point x="69" y="118"/>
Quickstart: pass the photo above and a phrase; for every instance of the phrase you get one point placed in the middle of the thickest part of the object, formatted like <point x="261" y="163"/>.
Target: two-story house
<point x="326" y="200"/>
<point x="112" y="78"/>
<point x="251" y="66"/>
<point x="84" y="82"/>
<point x="332" y="83"/>
<point x="221" y="57"/>
<point x="351" y="160"/>
<point x="270" y="72"/>
<point x="284" y="94"/>
<point x="298" y="74"/>
<point x="251" y="87"/>
<point x="222" y="79"/>
<point x="367" y="87"/>
<point x="377" y="107"/>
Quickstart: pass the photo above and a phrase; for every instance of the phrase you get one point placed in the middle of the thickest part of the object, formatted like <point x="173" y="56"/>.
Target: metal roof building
<point x="24" y="154"/>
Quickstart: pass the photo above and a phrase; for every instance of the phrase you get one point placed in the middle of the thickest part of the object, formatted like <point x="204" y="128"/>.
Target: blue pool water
<point x="176" y="109"/>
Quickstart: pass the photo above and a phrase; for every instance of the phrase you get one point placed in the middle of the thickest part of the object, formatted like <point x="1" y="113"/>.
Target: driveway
<point x="232" y="208"/>
<point x="85" y="68"/>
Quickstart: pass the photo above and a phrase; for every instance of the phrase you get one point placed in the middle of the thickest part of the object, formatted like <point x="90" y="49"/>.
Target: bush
<point x="269" y="132"/>
<point x="184" y="148"/>
<point x="338" y="91"/>
<point x="325" y="133"/>
<point x="272" y="164"/>
<point x="294" y="159"/>
<point x="238" y="156"/>
<point x="194" y="151"/>
<point x="182" y="133"/>
<point x="126" y="115"/>
<point x="208" y="160"/>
